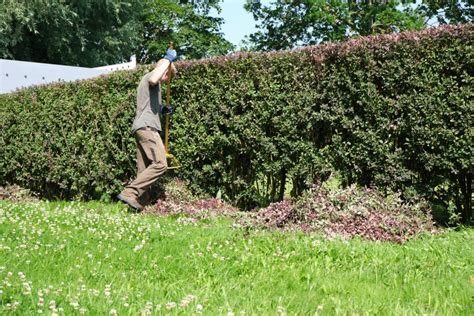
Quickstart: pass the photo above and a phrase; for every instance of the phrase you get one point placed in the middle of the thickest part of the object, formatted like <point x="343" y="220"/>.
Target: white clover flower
<point x="113" y="312"/>
<point x="52" y="304"/>
<point x="184" y="303"/>
<point x="138" y="247"/>
<point x="170" y="305"/>
<point x="26" y="288"/>
<point x="74" y="305"/>
<point x="280" y="310"/>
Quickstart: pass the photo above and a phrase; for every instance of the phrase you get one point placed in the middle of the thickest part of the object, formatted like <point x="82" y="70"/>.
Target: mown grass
<point x="99" y="259"/>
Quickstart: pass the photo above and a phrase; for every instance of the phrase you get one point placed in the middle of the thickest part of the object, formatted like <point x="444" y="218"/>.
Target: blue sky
<point x="238" y="22"/>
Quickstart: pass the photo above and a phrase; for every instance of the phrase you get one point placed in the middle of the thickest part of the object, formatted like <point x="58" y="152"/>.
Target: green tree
<point x="100" y="32"/>
<point x="188" y="24"/>
<point x="286" y="24"/>
<point x="448" y="11"/>
<point x="71" y="32"/>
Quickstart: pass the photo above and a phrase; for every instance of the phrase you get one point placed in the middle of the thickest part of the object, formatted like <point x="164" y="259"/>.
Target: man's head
<point x="165" y="75"/>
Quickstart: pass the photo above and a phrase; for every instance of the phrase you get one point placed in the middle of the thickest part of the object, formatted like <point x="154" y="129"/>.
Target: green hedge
<point x="392" y="111"/>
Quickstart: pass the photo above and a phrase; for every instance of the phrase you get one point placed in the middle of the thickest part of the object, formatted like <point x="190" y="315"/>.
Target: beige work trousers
<point x="151" y="163"/>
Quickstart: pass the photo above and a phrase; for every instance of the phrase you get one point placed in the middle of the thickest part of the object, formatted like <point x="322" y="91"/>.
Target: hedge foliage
<point x="391" y="111"/>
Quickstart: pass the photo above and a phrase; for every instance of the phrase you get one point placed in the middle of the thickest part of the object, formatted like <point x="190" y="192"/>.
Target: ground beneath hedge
<point x="343" y="213"/>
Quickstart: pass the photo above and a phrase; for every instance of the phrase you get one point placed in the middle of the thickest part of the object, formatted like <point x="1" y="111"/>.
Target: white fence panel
<point x="16" y="74"/>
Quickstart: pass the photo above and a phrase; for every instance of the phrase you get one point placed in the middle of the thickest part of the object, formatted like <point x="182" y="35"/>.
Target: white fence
<point x="19" y="74"/>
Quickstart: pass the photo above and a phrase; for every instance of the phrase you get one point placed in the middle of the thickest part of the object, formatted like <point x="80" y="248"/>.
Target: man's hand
<point x="170" y="55"/>
<point x="168" y="109"/>
<point x="159" y="74"/>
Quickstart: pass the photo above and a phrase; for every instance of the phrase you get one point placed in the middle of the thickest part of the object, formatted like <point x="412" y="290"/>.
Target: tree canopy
<point x="83" y="33"/>
<point x="188" y="24"/>
<point x="285" y="24"/>
<point x="100" y="32"/>
<point x="448" y="11"/>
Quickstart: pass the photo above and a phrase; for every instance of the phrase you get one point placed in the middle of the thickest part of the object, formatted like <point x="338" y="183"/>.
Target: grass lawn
<point x="98" y="259"/>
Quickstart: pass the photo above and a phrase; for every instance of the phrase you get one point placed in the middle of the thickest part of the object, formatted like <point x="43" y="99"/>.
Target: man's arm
<point x="158" y="73"/>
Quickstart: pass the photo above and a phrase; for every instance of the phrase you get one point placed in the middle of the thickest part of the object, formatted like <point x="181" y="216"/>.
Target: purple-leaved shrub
<point x="348" y="212"/>
<point x="15" y="193"/>
<point x="179" y="200"/>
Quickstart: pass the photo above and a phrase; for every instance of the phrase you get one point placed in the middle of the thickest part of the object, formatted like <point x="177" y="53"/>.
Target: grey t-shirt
<point x="148" y="105"/>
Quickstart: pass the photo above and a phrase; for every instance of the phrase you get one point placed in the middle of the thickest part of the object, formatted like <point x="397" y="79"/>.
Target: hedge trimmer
<point x="173" y="163"/>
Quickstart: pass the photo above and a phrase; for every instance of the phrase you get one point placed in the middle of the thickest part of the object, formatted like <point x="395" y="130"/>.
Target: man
<point x="151" y="155"/>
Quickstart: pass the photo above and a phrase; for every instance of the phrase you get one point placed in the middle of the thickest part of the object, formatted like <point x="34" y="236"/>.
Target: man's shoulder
<point x="144" y="80"/>
<point x="147" y="75"/>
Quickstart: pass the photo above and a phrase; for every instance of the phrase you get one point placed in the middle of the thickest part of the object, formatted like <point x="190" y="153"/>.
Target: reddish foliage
<point x="318" y="53"/>
<point x="178" y="200"/>
<point x="349" y="212"/>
